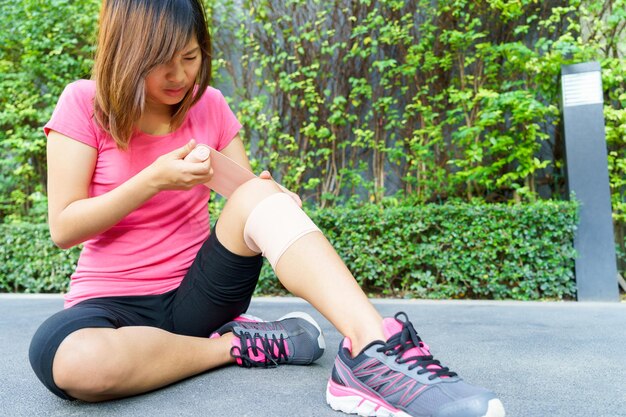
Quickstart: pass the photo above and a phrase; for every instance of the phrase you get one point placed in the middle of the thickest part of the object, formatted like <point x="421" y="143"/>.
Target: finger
<point x="265" y="175"/>
<point x="183" y="151"/>
<point x="201" y="168"/>
<point x="297" y="199"/>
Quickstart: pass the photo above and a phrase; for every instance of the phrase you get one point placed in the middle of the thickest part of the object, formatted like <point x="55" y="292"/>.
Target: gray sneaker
<point x="294" y="339"/>
<point x="400" y="378"/>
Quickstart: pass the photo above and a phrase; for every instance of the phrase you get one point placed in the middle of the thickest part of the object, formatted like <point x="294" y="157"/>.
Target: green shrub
<point x="521" y="252"/>
<point x="44" y="45"/>
<point x="30" y="262"/>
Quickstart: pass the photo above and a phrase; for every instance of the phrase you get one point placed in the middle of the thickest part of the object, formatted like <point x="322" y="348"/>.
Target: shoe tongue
<point x="391" y="326"/>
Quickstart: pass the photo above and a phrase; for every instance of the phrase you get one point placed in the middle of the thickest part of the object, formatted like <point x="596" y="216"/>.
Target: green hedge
<point x="522" y="252"/>
<point x="30" y="262"/>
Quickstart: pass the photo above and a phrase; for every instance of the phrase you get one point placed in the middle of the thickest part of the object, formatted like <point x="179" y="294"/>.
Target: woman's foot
<point x="294" y="339"/>
<point x="400" y="378"/>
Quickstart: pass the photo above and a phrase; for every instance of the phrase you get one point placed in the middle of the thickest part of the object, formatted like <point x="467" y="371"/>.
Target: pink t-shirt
<point x="151" y="249"/>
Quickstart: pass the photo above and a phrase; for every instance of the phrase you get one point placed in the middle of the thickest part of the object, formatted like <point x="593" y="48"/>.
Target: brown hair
<point x="134" y="37"/>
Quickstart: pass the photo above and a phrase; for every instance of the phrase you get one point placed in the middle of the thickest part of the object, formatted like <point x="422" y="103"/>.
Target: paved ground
<point x="543" y="359"/>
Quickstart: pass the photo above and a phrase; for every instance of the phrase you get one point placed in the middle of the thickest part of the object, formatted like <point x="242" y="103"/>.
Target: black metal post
<point x="588" y="178"/>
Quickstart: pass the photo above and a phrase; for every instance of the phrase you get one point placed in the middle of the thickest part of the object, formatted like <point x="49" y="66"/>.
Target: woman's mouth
<point x="175" y="92"/>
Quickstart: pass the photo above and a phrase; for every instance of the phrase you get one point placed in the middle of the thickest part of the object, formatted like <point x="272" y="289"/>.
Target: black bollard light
<point x="588" y="178"/>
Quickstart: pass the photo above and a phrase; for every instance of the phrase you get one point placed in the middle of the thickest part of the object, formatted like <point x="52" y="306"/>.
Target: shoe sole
<point x="302" y="315"/>
<point x="351" y="401"/>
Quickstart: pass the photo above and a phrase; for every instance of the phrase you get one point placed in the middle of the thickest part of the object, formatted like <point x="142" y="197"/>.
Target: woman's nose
<point x="176" y="72"/>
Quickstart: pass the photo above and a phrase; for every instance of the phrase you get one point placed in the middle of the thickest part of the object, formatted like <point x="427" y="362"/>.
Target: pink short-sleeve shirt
<point x="150" y="250"/>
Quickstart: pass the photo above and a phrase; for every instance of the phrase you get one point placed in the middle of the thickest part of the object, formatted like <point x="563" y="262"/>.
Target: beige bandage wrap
<point x="274" y="225"/>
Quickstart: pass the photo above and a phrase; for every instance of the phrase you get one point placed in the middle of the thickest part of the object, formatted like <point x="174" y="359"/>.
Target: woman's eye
<point x="190" y="58"/>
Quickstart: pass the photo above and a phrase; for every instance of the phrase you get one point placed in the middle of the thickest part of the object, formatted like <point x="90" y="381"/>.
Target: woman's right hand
<point x="171" y="172"/>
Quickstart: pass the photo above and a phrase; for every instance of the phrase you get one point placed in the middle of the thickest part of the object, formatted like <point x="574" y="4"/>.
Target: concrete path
<point x="543" y="359"/>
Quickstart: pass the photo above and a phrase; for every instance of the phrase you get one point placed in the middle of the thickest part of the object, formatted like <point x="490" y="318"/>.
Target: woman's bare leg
<point x="310" y="269"/>
<point x="98" y="364"/>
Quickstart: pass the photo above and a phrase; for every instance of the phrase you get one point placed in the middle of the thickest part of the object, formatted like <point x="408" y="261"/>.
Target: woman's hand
<point x="265" y="175"/>
<point x="171" y="172"/>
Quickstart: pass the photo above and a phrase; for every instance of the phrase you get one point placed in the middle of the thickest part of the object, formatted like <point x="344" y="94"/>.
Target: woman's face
<point x="168" y="83"/>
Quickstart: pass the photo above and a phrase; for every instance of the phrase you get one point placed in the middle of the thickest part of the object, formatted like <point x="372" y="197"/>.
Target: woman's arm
<point x="236" y="151"/>
<point x="75" y="217"/>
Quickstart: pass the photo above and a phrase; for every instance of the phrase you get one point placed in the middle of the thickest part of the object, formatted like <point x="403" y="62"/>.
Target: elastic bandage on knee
<point x="274" y="225"/>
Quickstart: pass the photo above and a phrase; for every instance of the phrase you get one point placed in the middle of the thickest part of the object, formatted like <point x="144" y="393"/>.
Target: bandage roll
<point x="274" y="225"/>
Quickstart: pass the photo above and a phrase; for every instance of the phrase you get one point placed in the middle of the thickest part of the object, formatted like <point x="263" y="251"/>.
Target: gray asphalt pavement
<point x="543" y="359"/>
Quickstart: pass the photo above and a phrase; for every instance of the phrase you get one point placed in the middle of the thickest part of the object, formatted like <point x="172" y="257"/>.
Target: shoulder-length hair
<point x="134" y="36"/>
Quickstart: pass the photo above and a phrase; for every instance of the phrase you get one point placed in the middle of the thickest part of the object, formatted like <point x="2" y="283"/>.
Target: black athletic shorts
<point x="217" y="288"/>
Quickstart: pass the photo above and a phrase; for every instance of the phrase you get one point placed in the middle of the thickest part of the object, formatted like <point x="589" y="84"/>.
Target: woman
<point x="157" y="296"/>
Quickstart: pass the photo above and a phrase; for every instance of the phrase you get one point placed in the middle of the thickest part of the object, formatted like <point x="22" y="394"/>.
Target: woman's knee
<point x="230" y="227"/>
<point x="251" y="193"/>
<point x="84" y="365"/>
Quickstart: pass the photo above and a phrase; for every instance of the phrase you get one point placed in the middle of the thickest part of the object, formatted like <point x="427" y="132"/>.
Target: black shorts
<point x="217" y="288"/>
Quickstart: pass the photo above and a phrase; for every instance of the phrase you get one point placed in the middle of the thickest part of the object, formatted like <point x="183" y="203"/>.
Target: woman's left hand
<point x="265" y="175"/>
